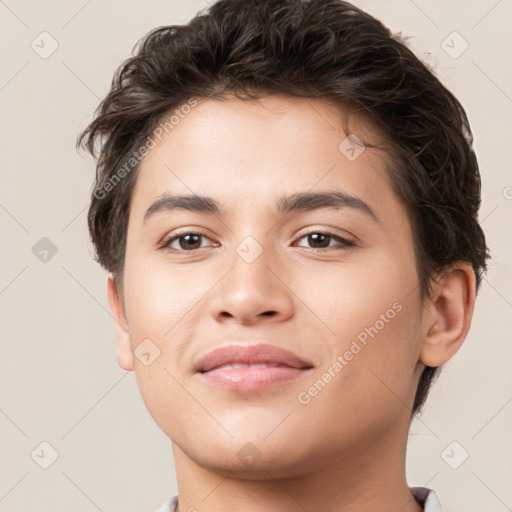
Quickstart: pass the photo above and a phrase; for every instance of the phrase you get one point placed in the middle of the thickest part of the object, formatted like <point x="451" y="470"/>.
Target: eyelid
<point x="346" y="242"/>
<point x="170" y="237"/>
<point x="333" y="232"/>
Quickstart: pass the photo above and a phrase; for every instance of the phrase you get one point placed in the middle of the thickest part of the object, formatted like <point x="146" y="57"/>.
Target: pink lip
<point x="280" y="366"/>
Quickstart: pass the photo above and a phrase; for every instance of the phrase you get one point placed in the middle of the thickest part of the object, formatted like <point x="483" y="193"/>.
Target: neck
<point x="372" y="479"/>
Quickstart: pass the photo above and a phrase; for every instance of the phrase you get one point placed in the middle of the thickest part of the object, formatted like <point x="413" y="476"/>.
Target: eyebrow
<point x="301" y="201"/>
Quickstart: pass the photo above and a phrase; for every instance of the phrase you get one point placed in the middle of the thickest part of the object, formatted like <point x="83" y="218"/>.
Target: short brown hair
<point x="310" y="49"/>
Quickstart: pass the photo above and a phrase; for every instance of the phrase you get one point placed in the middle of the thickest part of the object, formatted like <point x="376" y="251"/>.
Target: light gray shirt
<point x="425" y="497"/>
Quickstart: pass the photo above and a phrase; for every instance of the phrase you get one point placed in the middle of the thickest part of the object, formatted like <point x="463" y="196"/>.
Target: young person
<point x="286" y="203"/>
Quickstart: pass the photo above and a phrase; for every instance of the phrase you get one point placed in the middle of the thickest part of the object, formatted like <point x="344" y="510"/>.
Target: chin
<point x="247" y="460"/>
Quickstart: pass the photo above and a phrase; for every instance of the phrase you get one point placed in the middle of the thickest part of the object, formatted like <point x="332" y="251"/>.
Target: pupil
<point x="194" y="239"/>
<point x="316" y="236"/>
<point x="188" y="242"/>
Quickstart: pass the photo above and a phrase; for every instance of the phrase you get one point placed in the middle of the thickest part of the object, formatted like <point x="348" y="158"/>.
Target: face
<point x="327" y="281"/>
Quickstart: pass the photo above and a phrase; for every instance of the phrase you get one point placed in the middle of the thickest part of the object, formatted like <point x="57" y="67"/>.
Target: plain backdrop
<point x="59" y="380"/>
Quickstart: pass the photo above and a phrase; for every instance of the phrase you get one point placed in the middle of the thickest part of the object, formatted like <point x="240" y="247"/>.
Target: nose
<point x="253" y="291"/>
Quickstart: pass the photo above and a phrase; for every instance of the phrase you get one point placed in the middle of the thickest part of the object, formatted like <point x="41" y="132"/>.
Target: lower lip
<point x="252" y="378"/>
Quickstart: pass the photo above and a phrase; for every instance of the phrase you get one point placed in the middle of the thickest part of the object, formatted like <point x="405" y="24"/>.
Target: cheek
<point x="159" y="297"/>
<point x="353" y="299"/>
<point x="161" y="306"/>
<point x="374" y="310"/>
<point x="364" y="310"/>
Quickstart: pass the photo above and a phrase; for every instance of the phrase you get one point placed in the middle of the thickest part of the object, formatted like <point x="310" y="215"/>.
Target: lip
<point x="251" y="367"/>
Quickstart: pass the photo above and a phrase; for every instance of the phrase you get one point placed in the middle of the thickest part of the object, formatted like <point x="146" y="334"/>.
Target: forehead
<point x="252" y="151"/>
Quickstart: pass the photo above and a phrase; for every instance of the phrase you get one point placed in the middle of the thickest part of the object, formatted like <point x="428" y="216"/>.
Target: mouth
<point x="251" y="367"/>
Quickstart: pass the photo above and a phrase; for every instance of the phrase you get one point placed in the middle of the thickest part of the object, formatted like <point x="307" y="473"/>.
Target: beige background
<point x="59" y="379"/>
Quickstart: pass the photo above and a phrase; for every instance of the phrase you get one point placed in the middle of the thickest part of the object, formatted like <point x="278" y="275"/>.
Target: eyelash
<point x="346" y="244"/>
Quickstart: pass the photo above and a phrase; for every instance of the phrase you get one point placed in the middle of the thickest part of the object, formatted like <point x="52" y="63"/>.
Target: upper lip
<point x="250" y="354"/>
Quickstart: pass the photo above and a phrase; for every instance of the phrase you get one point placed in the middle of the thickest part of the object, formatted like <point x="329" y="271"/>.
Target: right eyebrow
<point x="193" y="203"/>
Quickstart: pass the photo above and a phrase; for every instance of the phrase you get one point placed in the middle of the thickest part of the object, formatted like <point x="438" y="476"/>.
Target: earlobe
<point x="124" y="349"/>
<point x="448" y="315"/>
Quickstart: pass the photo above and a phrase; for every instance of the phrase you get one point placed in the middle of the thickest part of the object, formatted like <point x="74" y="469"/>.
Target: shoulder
<point x="170" y="505"/>
<point x="427" y="498"/>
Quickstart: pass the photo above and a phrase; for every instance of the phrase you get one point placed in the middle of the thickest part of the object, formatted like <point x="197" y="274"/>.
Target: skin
<point x="345" y="449"/>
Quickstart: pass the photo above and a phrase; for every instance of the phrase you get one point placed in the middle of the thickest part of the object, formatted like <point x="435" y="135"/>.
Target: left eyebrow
<point x="301" y="201"/>
<point x="305" y="201"/>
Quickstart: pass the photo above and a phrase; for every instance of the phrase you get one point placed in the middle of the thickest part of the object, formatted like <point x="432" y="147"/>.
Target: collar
<point x="426" y="497"/>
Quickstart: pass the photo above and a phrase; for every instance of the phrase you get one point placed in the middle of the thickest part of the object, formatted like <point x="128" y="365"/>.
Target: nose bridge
<point x="254" y="247"/>
<point x="250" y="262"/>
<point x="251" y="290"/>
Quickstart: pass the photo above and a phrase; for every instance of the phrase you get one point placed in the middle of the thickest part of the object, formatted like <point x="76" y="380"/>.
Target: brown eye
<point x="322" y="240"/>
<point x="185" y="242"/>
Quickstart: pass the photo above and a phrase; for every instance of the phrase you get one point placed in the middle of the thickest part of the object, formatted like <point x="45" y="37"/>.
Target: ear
<point x="124" y="349"/>
<point x="448" y="314"/>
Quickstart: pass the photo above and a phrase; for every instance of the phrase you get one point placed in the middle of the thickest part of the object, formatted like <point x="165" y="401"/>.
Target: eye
<point x="322" y="240"/>
<point x="191" y="241"/>
<point x="186" y="242"/>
